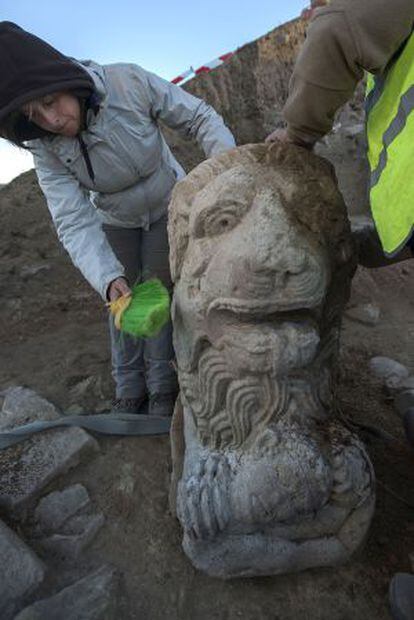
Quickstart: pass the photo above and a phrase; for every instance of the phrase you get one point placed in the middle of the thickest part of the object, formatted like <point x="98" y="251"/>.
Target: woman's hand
<point x="117" y="288"/>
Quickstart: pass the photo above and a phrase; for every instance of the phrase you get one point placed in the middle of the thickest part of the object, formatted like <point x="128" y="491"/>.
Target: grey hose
<point x="104" y="423"/>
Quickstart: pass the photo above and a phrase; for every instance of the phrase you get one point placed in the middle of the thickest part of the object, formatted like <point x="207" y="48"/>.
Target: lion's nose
<point x="281" y="262"/>
<point x="270" y="270"/>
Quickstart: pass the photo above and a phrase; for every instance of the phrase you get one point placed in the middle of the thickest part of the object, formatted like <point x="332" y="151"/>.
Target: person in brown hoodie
<point x="345" y="39"/>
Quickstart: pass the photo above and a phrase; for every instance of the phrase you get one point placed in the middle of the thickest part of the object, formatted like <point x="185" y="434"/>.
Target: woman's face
<point x="58" y="113"/>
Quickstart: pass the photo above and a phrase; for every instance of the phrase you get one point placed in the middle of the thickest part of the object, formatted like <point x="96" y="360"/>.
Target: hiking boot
<point x="162" y="404"/>
<point x="401" y="596"/>
<point x="128" y="405"/>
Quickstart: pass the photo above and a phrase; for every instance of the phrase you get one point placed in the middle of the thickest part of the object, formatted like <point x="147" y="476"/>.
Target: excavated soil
<point x="54" y="340"/>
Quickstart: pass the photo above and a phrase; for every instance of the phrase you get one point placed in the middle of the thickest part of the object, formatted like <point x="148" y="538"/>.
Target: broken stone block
<point x="391" y="372"/>
<point x="268" y="480"/>
<point x="21" y="571"/>
<point x="27" y="467"/>
<point x="90" y="598"/>
<point x="56" y="508"/>
<point x="76" y="534"/>
<point x="22" y="406"/>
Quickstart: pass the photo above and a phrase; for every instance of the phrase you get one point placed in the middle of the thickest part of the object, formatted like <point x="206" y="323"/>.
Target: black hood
<point x="31" y="68"/>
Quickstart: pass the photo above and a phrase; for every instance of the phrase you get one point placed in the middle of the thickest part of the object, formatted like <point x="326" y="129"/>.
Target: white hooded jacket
<point x="133" y="167"/>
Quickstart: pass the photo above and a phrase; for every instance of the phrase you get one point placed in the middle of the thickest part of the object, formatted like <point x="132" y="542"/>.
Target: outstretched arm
<point x="77" y="225"/>
<point x="343" y="40"/>
<point x="191" y="116"/>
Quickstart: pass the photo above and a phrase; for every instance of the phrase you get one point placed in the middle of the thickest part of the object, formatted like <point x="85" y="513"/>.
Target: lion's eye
<point x="224" y="223"/>
<point x="220" y="223"/>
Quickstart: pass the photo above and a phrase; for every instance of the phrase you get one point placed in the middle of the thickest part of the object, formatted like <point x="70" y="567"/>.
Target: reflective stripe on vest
<point x="390" y="132"/>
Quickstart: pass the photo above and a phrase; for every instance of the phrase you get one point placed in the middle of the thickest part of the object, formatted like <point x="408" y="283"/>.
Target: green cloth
<point x="148" y="311"/>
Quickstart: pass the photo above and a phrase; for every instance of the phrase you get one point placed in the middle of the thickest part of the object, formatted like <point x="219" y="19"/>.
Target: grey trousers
<point x="141" y="366"/>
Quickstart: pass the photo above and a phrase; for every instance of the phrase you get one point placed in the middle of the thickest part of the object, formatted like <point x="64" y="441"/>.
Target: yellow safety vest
<point x="390" y="132"/>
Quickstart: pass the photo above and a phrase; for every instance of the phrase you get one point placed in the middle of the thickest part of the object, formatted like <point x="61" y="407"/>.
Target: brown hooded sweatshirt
<point x="343" y="40"/>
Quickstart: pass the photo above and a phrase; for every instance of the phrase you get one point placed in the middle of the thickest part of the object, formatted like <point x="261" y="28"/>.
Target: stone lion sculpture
<point x="266" y="480"/>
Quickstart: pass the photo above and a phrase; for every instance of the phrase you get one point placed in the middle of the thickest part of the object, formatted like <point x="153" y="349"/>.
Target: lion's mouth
<point x="258" y="312"/>
<point x="254" y="342"/>
<point x="257" y="335"/>
<point x="263" y="338"/>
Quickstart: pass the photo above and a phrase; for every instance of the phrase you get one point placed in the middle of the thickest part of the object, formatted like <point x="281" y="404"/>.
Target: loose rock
<point x="22" y="406"/>
<point x="25" y="469"/>
<point x="77" y="534"/>
<point x="391" y="372"/>
<point x="56" y="508"/>
<point x="90" y="598"/>
<point x="367" y="314"/>
<point x="21" y="571"/>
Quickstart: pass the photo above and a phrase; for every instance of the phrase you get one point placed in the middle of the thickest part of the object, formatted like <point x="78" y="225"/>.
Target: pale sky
<point x="164" y="37"/>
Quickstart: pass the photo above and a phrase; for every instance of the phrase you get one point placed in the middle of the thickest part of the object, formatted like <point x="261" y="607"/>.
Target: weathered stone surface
<point x="56" y="508"/>
<point x="25" y="469"/>
<point x="262" y="258"/>
<point x="90" y="598"/>
<point x="391" y="372"/>
<point x="21" y="572"/>
<point x="76" y="534"/>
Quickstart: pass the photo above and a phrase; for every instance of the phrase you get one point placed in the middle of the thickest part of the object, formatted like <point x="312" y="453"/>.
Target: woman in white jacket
<point x="107" y="175"/>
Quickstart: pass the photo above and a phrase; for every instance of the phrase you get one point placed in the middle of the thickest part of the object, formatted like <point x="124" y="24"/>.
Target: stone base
<point x="261" y="554"/>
